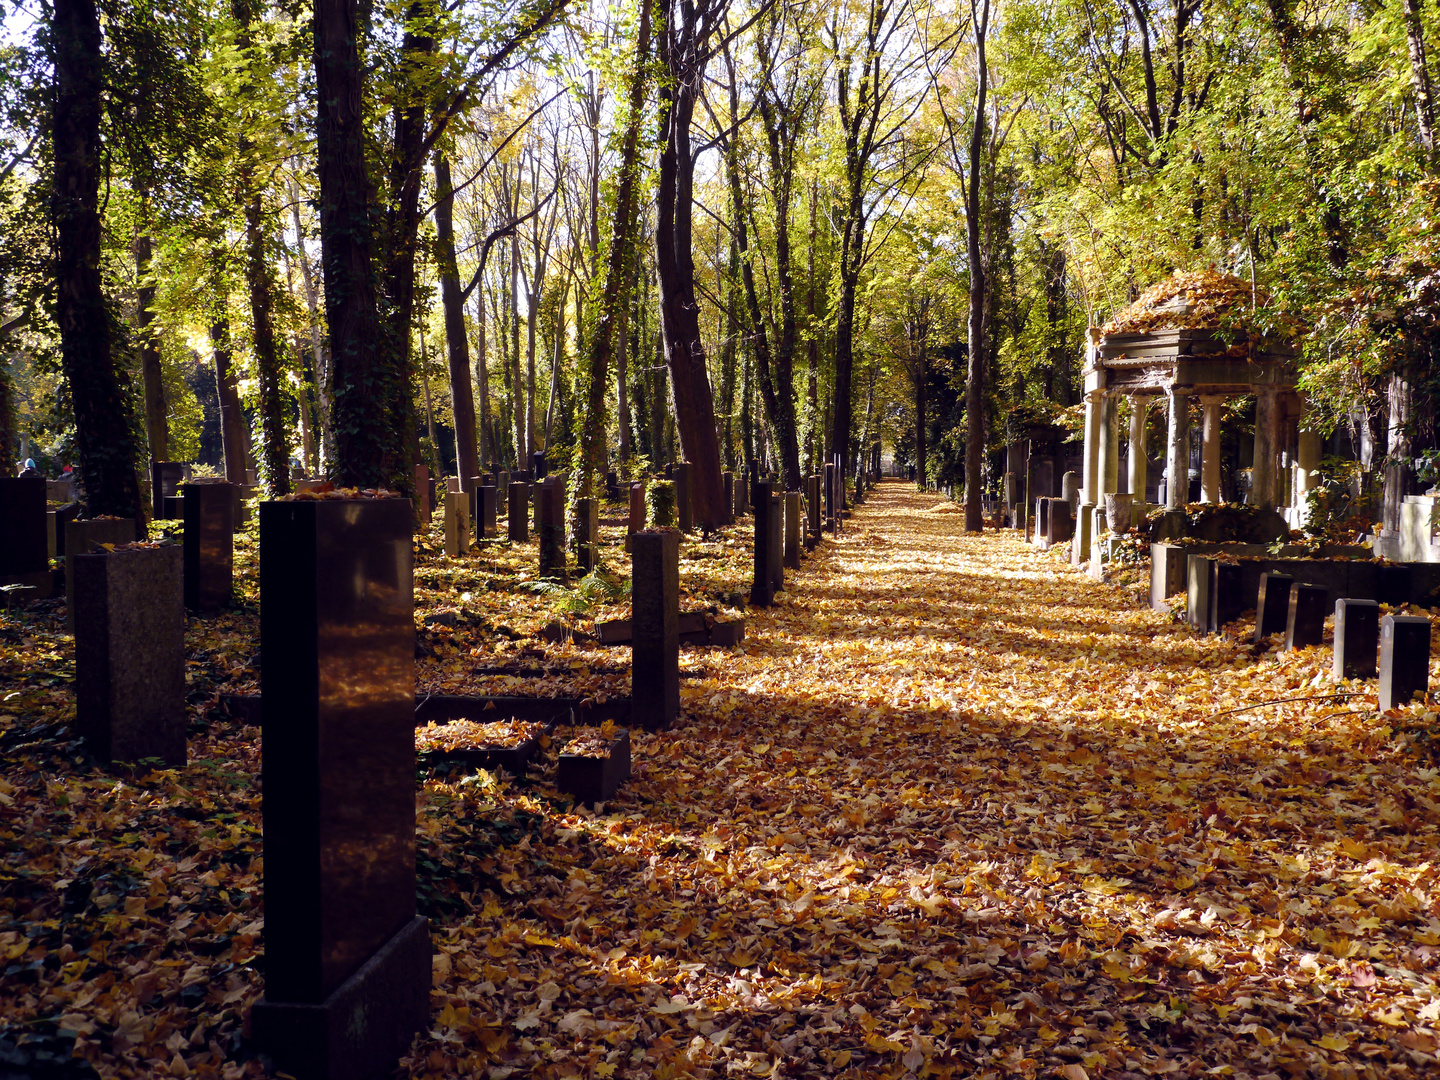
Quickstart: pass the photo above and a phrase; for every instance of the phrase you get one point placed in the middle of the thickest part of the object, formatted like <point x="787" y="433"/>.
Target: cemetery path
<point x="958" y="807"/>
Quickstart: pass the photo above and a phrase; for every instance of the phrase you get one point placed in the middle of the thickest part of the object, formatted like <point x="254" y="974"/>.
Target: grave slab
<point x="1357" y="638"/>
<point x="1404" y="659"/>
<point x="1305" y="620"/>
<point x="1272" y="605"/>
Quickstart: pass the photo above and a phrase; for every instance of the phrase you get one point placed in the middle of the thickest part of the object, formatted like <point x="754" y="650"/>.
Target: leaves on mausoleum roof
<point x="1197" y="300"/>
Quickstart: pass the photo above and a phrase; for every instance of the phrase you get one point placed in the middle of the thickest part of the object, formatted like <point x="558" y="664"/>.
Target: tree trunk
<point x="227" y="389"/>
<point x="975" y="362"/>
<point x="680" y="314"/>
<point x="318" y="348"/>
<point x="1399" y="472"/>
<point x="275" y="453"/>
<point x="489" y="451"/>
<point x="364" y="383"/>
<point x="922" y="379"/>
<point x="1420" y="80"/>
<point x="457" y="339"/>
<point x="157" y="423"/>
<point x="98" y="393"/>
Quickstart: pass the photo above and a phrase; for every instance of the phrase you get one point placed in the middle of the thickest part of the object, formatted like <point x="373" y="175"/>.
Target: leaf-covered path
<point x="953" y="809"/>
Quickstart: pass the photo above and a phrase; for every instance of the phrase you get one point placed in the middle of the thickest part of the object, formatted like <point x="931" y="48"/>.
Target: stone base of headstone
<point x="1357" y="638"/>
<point x="1305" y="620"/>
<point x="80" y="538"/>
<point x="361" y="1029"/>
<point x="1404" y="659"/>
<point x="595" y="780"/>
<point x="130" y="653"/>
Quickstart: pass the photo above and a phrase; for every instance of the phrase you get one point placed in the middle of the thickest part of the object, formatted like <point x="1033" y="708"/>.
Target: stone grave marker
<point x="538" y="467"/>
<point x="488" y="502"/>
<point x="762" y="590"/>
<point x="1059" y="524"/>
<point x="81" y="537"/>
<point x="1227" y="600"/>
<point x="829" y="485"/>
<point x="502" y="489"/>
<point x="812" y="505"/>
<point x="457" y="524"/>
<point x="1198" y="581"/>
<point x="348" y="970"/>
<point x="550" y="525"/>
<point x="1272" y="605"/>
<point x="476" y="483"/>
<point x="1404" y="659"/>
<point x="1042" y="518"/>
<point x="636" y="521"/>
<point x="209" y="545"/>
<point x="519" y="511"/>
<point x="422" y="491"/>
<point x="1070" y="490"/>
<point x="1305" y="620"/>
<point x="655" y="634"/>
<point x="130" y="652"/>
<point x="452" y="483"/>
<point x="684" y="516"/>
<point x="1357" y="638"/>
<point x="612" y="485"/>
<point x="775" y="547"/>
<point x="165" y="480"/>
<point x="24" y="547"/>
<point x="792" y="530"/>
<point x="587" y="534"/>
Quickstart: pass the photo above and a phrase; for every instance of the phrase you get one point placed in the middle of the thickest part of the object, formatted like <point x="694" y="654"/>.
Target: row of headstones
<point x="782" y="525"/>
<point x="1284" y="606"/>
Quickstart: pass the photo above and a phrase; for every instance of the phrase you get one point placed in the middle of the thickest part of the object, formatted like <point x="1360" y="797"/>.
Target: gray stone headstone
<point x="457" y="524"/>
<point x="1305" y="620"/>
<point x="1357" y="638"/>
<point x="1227" y="597"/>
<point x="1070" y="490"/>
<point x="130" y="653"/>
<point x="1198" y="582"/>
<point x="1404" y="659"/>
<point x="655" y="634"/>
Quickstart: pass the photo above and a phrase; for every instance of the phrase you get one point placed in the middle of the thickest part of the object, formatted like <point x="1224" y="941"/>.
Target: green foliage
<point x="660" y="504"/>
<point x="597" y="588"/>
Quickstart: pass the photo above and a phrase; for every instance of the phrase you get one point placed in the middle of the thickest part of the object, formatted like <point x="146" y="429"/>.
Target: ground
<point x="952" y="809"/>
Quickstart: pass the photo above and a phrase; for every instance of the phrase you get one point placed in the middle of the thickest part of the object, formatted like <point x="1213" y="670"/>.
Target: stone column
<point x="1267" y="439"/>
<point x="1139" y="412"/>
<point x="1210" y="450"/>
<point x="1177" y="451"/>
<point x="1108" y="472"/>
<point x="1309" y="446"/>
<point x="1091" y="457"/>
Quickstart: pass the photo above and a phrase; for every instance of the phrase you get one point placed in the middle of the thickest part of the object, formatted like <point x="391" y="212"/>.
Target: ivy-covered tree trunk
<point x="457" y="340"/>
<point x="98" y="392"/>
<point x="157" y="423"/>
<point x="274" y="453"/>
<point x="364" y="385"/>
<point x="227" y="389"/>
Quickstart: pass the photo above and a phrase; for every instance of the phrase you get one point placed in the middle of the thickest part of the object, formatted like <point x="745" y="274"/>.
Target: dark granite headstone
<point x="1198" y="582"/>
<point x="84" y="537"/>
<point x="502" y="490"/>
<point x="812" y="503"/>
<point x="1404" y="659"/>
<point x="612" y="485"/>
<point x="165" y="480"/>
<point x="684" y="516"/>
<point x="175" y="504"/>
<point x="775" y="547"/>
<point x="23" y="544"/>
<point x="655" y="635"/>
<point x="422" y="491"/>
<point x="520" y="476"/>
<point x="209" y="545"/>
<point x="727" y="482"/>
<point x="550" y="525"/>
<point x="538" y="467"/>
<point x="742" y="495"/>
<point x="1272" y="605"/>
<point x="519" y="511"/>
<point x="828" y="483"/>
<point x="1059" y="524"/>
<point x="1227" y="596"/>
<point x="587" y="534"/>
<point x="476" y="483"/>
<point x="1392" y="584"/>
<point x="489" y="505"/>
<point x="130" y="653"/>
<point x="1305" y="621"/>
<point x="792" y="530"/>
<point x="1357" y="638"/>
<point x="347" y="971"/>
<point x="636" y="520"/>
<point x="762" y="590"/>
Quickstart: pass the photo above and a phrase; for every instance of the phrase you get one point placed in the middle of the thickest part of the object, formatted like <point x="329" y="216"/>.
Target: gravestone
<point x="587" y="534"/>
<point x="348" y="970"/>
<point x="792" y="530"/>
<point x="612" y="485"/>
<point x="165" y="480"/>
<point x="775" y="548"/>
<point x="1070" y="490"/>
<point x="57" y="520"/>
<point x="829" y="485"/>
<point x="655" y="634"/>
<point x="519" y="512"/>
<point x="520" y="475"/>
<point x="1058" y="522"/>
<point x="684" y="516"/>
<point x="1197" y="591"/>
<point x="1042" y="519"/>
<point x="1227" y="598"/>
<point x="24" y="547"/>
<point x="762" y="589"/>
<point x="812" y="508"/>
<point x="452" y="484"/>
<point x="727" y="480"/>
<point x="550" y="526"/>
<point x="130" y="653"/>
<point x="1045" y="478"/>
<point x="422" y="491"/>
<point x="538" y="467"/>
<point x="1357" y="638"/>
<point x="209" y="545"/>
<point x="476" y="483"/>
<point x="81" y="538"/>
<point x="636" y="521"/>
<point x="1305" y="621"/>
<point x="457" y="524"/>
<point x="742" y="495"/>
<point x="1404" y="659"/>
<point x="1272" y="605"/>
<point x="489" y="505"/>
<point x="502" y="490"/>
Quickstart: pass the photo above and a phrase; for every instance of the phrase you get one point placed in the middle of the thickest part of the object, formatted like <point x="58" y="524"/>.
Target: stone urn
<point x="1117" y="512"/>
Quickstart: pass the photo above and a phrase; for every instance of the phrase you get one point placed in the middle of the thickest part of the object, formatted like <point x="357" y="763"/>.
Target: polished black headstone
<point x="130" y="653"/>
<point x="762" y="591"/>
<point x="519" y="511"/>
<point x="1227" y="598"/>
<point x="23" y="545"/>
<point x="488" y="501"/>
<point x="209" y="545"/>
<point x="1305" y="621"/>
<point x="1357" y="638"/>
<point x="1392" y="584"/>
<point x="775" y="547"/>
<point x="347" y="968"/>
<point x="1272" y="605"/>
<point x="655" y="636"/>
<point x="165" y="480"/>
<point x="1060" y="526"/>
<point x="1404" y="659"/>
<point x="538" y="466"/>
<point x="684" y="517"/>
